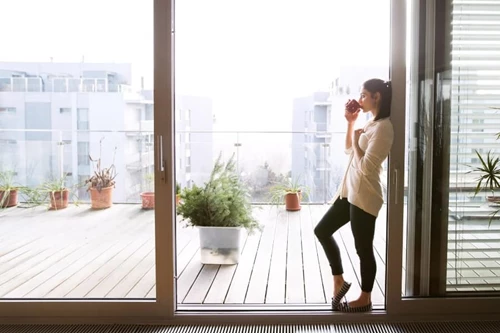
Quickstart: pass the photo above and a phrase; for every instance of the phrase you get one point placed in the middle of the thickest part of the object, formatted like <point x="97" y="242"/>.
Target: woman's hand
<point x="351" y="116"/>
<point x="357" y="134"/>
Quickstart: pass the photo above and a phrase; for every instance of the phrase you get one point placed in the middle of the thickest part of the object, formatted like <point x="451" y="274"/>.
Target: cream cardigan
<point x="361" y="184"/>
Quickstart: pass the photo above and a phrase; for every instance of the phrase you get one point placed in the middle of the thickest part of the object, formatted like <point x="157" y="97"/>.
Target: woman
<point x="359" y="198"/>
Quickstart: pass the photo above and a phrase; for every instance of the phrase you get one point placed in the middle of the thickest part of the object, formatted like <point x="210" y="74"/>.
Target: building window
<point x="82" y="121"/>
<point x="83" y="153"/>
<point x="4" y="110"/>
<point x="64" y="110"/>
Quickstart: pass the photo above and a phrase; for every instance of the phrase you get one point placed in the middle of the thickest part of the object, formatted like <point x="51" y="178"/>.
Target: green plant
<point x="287" y="186"/>
<point x="223" y="201"/>
<point x="6" y="185"/>
<point x="177" y="188"/>
<point x="489" y="174"/>
<point x="102" y="177"/>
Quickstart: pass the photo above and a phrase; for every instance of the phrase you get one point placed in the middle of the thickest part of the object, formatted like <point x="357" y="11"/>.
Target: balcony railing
<point x="263" y="159"/>
<point x="61" y="84"/>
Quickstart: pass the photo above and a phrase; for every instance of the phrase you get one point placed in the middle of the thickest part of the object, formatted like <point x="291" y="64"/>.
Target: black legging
<point x="363" y="230"/>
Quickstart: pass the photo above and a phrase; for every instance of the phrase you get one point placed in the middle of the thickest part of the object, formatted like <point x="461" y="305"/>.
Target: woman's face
<point x="367" y="100"/>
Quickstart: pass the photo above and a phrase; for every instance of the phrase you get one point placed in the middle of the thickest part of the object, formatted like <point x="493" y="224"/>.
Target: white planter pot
<point x="220" y="245"/>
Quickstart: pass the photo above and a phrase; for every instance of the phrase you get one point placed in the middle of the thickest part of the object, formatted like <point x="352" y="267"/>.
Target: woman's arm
<point x="348" y="136"/>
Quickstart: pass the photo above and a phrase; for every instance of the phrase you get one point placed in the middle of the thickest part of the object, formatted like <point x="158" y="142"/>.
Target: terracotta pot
<point x="59" y="199"/>
<point x="102" y="199"/>
<point x="148" y="200"/>
<point x="292" y="201"/>
<point x="177" y="199"/>
<point x="10" y="198"/>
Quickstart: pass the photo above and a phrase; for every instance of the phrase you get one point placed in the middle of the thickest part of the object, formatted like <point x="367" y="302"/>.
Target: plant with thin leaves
<point x="55" y="185"/>
<point x="285" y="187"/>
<point x="223" y="201"/>
<point x="102" y="177"/>
<point x="489" y="175"/>
<point x="6" y="186"/>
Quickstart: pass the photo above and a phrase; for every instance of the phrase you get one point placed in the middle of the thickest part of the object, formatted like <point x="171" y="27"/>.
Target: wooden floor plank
<point x="145" y="285"/>
<point x="239" y="284"/>
<point x="294" y="267"/>
<point x="257" y="285"/>
<point x="188" y="276"/>
<point x="63" y="288"/>
<point x="276" y="285"/>
<point x="200" y="287"/>
<point x="314" y="292"/>
<point x="125" y="286"/>
<point x="101" y="273"/>
<point x="316" y="213"/>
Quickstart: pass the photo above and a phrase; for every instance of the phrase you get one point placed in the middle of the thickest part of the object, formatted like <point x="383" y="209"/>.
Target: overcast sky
<point x="251" y="57"/>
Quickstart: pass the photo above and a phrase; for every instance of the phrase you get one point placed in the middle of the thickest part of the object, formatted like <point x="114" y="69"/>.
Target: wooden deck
<point x="80" y="253"/>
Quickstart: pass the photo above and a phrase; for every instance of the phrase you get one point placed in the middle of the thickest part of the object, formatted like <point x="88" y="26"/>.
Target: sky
<point x="251" y="57"/>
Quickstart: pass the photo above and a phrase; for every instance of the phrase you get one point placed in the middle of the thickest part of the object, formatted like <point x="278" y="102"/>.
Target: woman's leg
<point x="363" y="230"/>
<point x="336" y="217"/>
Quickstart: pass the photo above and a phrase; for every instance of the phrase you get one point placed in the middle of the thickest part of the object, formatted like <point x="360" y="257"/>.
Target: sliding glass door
<point x="80" y="144"/>
<point x="451" y="253"/>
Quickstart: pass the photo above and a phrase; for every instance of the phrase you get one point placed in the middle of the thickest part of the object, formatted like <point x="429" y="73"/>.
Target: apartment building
<point x="54" y="115"/>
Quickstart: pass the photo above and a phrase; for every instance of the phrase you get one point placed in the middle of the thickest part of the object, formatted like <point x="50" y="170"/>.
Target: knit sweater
<point x="361" y="184"/>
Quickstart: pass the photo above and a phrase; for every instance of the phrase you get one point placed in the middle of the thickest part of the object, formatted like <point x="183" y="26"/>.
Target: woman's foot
<point x="347" y="307"/>
<point x="339" y="291"/>
<point x="362" y="304"/>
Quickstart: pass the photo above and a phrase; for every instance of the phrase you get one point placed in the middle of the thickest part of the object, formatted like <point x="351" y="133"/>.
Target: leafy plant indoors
<point x="489" y="176"/>
<point x="223" y="201"/>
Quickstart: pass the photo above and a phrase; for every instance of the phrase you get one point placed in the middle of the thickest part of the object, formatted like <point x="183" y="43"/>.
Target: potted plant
<point x="148" y="197"/>
<point x="177" y="193"/>
<point x="488" y="177"/>
<point x="58" y="193"/>
<point x="220" y="209"/>
<point x="290" y="192"/>
<point x="101" y="183"/>
<point x="8" y="191"/>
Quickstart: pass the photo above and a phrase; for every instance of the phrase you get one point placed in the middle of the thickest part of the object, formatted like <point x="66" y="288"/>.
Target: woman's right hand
<point x="351" y="116"/>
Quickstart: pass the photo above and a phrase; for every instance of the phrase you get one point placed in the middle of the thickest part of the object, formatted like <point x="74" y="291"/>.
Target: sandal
<point x="343" y="291"/>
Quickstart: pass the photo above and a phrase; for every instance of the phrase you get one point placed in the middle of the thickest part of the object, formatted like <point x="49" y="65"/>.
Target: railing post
<point x="61" y="155"/>
<point x="237" y="144"/>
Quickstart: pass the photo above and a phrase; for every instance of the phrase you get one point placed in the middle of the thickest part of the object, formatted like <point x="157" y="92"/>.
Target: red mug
<point x="352" y="105"/>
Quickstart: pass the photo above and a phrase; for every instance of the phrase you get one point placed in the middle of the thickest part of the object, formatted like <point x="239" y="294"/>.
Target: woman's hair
<point x="384" y="88"/>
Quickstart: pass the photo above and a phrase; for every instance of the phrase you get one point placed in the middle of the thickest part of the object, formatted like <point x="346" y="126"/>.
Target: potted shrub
<point x="58" y="193"/>
<point x="177" y="193"/>
<point x="101" y="183"/>
<point x="289" y="192"/>
<point x="220" y="209"/>
<point x="148" y="197"/>
<point x="8" y="191"/>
